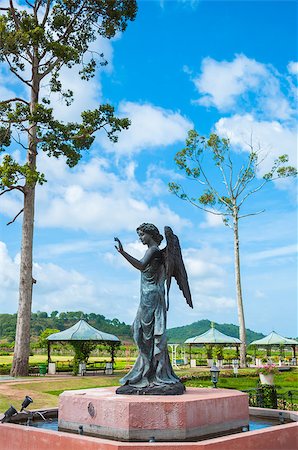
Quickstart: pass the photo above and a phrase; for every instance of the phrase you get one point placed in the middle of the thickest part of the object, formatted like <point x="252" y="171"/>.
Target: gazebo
<point x="82" y="331"/>
<point x="275" y="340"/>
<point x="213" y="337"/>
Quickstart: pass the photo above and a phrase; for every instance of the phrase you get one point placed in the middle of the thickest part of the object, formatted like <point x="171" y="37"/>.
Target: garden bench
<point x="284" y="368"/>
<point x="96" y="366"/>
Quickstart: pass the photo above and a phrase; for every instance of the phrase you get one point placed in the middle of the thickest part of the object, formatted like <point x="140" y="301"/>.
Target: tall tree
<point x="37" y="39"/>
<point x="224" y="191"/>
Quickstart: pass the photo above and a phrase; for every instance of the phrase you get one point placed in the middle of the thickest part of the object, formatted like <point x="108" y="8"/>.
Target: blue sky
<point x="229" y="67"/>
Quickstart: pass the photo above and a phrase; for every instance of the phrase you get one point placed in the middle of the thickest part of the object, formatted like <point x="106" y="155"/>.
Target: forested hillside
<point x="180" y="334"/>
<point x="60" y="321"/>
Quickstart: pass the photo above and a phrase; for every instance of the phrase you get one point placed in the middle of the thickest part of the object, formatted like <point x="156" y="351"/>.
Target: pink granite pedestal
<point x="196" y="414"/>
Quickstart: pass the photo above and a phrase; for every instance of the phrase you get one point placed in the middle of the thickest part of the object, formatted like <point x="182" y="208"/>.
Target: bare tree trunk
<point x="22" y="341"/>
<point x="241" y="321"/>
<point x="20" y="364"/>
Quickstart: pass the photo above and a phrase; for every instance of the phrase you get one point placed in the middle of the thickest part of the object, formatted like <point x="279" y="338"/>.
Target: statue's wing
<point x="175" y="266"/>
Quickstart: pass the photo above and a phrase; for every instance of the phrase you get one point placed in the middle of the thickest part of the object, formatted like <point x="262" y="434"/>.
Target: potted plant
<point x="266" y="373"/>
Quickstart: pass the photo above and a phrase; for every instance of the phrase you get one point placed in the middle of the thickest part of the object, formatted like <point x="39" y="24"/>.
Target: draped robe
<point x="153" y="366"/>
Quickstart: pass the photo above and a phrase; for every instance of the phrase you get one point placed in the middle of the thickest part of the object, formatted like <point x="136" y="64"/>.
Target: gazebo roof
<point x="213" y="336"/>
<point x="274" y="339"/>
<point x="82" y="331"/>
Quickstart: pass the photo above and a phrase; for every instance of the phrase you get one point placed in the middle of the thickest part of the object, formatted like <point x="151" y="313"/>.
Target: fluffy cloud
<point x="64" y="289"/>
<point x="91" y="197"/>
<point x="86" y="93"/>
<point x="221" y="82"/>
<point x="6" y="85"/>
<point x="55" y="286"/>
<point x="261" y="103"/>
<point x="273" y="137"/>
<point x="9" y="272"/>
<point x="293" y="67"/>
<point x="212" y="221"/>
<point x="230" y="85"/>
<point x="151" y="127"/>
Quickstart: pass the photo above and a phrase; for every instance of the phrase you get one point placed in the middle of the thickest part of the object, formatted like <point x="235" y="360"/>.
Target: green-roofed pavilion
<point x="275" y="340"/>
<point x="82" y="331"/>
<point x="213" y="337"/>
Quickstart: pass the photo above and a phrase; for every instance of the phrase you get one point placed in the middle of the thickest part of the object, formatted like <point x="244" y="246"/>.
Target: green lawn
<point x="36" y="359"/>
<point x="284" y="382"/>
<point x="45" y="390"/>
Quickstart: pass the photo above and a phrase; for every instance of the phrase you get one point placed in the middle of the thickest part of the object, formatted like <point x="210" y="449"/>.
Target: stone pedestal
<point x="196" y="414"/>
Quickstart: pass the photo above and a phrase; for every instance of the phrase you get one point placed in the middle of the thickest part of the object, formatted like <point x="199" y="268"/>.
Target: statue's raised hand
<point x="120" y="246"/>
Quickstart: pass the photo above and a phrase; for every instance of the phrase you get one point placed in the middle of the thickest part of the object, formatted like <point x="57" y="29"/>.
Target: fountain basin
<point x="280" y="437"/>
<point x="199" y="413"/>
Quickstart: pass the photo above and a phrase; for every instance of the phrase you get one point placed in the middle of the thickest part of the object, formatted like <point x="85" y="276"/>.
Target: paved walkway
<point x="14" y="380"/>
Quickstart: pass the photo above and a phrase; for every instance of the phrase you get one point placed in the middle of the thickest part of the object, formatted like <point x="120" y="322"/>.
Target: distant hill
<point x="60" y="321"/>
<point x="180" y="334"/>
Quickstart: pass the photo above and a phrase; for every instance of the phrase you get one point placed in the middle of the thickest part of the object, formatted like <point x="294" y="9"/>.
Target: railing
<point x="285" y="400"/>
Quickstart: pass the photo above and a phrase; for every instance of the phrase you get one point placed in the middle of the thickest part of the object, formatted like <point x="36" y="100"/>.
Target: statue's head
<point x="152" y="230"/>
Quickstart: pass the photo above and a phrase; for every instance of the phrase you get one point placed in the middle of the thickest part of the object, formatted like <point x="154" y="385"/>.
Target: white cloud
<point x="274" y="138"/>
<point x="207" y="270"/>
<point x="94" y="211"/>
<point x="228" y="86"/>
<point x="151" y="127"/>
<point x="87" y="94"/>
<point x="56" y="288"/>
<point x="293" y="67"/>
<point x="93" y="198"/>
<point x="9" y="272"/>
<point x="274" y="253"/>
<point x="220" y="83"/>
<point x="197" y="266"/>
<point x="6" y="91"/>
<point x="212" y="221"/>
<point x="47" y="251"/>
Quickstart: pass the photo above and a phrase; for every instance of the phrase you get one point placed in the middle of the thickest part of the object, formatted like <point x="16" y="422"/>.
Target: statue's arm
<point x="138" y="264"/>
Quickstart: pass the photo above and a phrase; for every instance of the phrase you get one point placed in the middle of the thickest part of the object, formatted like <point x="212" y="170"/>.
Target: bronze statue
<point x="152" y="372"/>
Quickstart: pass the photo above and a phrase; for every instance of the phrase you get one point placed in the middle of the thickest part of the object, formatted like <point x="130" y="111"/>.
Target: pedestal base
<point x="196" y="414"/>
<point x="165" y="389"/>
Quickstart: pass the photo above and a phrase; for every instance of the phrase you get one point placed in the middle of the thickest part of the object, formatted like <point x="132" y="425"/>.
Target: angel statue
<point x="152" y="372"/>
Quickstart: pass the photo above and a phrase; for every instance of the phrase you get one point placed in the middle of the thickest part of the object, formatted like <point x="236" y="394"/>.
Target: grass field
<point x="36" y="359"/>
<point x="283" y="381"/>
<point x="45" y="390"/>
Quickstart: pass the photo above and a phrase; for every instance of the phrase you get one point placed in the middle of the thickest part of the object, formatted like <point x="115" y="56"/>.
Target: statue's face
<point x="144" y="237"/>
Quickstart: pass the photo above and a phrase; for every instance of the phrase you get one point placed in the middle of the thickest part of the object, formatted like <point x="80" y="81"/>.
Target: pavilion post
<point x="255" y="352"/>
<point x="49" y="352"/>
<point x="237" y="351"/>
<point x="112" y="353"/>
